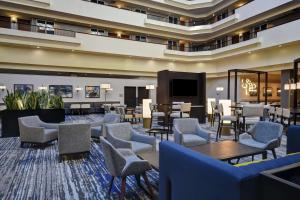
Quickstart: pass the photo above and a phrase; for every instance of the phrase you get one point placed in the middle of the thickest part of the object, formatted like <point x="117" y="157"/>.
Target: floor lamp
<point x="106" y="87"/>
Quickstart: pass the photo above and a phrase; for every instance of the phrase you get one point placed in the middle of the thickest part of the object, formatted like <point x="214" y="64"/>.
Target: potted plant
<point x="49" y="109"/>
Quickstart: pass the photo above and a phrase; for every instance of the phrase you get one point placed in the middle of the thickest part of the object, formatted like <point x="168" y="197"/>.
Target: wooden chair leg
<point x="274" y="153"/>
<point x="111" y="184"/>
<point x="148" y="184"/>
<point x="218" y="131"/>
<point x="123" y="188"/>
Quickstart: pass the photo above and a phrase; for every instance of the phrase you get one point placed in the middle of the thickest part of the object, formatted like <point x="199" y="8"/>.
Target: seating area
<point x="149" y="99"/>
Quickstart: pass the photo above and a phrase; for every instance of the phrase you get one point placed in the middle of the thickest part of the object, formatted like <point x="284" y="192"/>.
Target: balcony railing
<point x="213" y="46"/>
<point x="193" y="47"/>
<point x="37" y="28"/>
<point x="166" y="19"/>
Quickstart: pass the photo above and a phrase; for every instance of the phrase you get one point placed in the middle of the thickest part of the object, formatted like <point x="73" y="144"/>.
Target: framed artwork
<point x="253" y="93"/>
<point x="269" y="91"/>
<point x="23" y="88"/>
<point x="278" y="92"/>
<point x="65" y="91"/>
<point x="92" y="91"/>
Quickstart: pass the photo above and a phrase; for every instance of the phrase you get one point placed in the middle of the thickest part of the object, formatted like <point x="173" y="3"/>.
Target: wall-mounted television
<point x="183" y="87"/>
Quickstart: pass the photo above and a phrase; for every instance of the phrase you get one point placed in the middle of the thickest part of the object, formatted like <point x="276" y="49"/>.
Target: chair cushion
<point x="252" y="143"/>
<point x="250" y="120"/>
<point x="158" y="114"/>
<point x="177" y="115"/>
<point x="190" y="140"/>
<point x="96" y="131"/>
<point x="138" y="147"/>
<point x="50" y="134"/>
<point x="229" y="118"/>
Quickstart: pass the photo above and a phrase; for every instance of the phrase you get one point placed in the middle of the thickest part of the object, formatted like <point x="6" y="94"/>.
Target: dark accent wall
<point x="163" y="91"/>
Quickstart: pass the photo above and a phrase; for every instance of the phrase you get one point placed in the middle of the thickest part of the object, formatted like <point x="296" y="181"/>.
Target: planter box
<point x="9" y="119"/>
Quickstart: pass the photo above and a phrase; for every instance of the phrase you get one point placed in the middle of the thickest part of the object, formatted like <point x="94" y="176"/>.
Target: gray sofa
<point x="33" y="130"/>
<point x="122" y="135"/>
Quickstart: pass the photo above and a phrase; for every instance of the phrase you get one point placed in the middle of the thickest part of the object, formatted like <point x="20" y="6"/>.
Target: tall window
<point x="44" y="26"/>
<point x="98" y="1"/>
<point x="140" y="38"/>
<point x="173" y="20"/>
<point x="96" y="31"/>
<point x="172" y="45"/>
<point x="140" y="11"/>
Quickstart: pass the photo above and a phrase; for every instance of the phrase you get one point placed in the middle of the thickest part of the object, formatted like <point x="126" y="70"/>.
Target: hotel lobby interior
<point x="150" y="99"/>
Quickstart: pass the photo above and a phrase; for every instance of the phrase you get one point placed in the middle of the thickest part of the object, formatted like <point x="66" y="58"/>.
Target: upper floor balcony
<point x="54" y="38"/>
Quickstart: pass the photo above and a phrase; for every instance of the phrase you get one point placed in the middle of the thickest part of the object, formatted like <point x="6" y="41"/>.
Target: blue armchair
<point x="187" y="132"/>
<point x="122" y="135"/>
<point x="293" y="139"/>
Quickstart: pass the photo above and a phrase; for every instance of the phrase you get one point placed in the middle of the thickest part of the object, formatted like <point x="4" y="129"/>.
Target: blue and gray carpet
<point x="34" y="173"/>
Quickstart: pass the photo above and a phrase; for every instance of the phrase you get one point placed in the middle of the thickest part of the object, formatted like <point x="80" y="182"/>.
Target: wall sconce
<point x="150" y="87"/>
<point x="219" y="89"/>
<point x="42" y="87"/>
<point x="78" y="89"/>
<point x="2" y="88"/>
<point x="13" y="19"/>
<point x="119" y="34"/>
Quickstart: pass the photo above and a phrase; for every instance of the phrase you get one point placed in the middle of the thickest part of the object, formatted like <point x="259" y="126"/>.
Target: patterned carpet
<point x="34" y="173"/>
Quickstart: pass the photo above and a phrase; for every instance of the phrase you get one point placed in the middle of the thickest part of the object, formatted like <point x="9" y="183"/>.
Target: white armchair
<point x="187" y="132"/>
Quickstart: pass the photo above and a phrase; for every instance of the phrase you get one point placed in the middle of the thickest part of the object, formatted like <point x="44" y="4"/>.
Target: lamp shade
<point x="105" y="86"/>
<point x="150" y="87"/>
<point x="293" y="86"/>
<point x="286" y="86"/>
<point x="2" y="87"/>
<point x="42" y="88"/>
<point x="78" y="89"/>
<point x="298" y="85"/>
<point x="146" y="108"/>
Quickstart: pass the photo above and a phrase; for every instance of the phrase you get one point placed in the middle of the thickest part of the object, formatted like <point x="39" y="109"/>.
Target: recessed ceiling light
<point x="38" y="47"/>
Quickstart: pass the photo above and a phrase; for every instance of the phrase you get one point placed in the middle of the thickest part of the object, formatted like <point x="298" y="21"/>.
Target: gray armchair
<point x="187" y="132"/>
<point x="123" y="163"/>
<point x="74" y="138"/>
<point x="263" y="135"/>
<point x="33" y="130"/>
<point x="122" y="135"/>
<point x="97" y="128"/>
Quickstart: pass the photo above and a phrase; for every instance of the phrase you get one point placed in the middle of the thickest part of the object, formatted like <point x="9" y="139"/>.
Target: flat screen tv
<point x="183" y="87"/>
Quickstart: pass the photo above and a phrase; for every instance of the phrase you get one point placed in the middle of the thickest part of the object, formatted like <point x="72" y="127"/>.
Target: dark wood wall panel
<point x="163" y="90"/>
